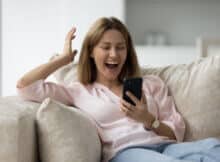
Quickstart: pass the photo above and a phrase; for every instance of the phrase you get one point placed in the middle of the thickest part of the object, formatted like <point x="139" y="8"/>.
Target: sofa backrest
<point x="196" y="91"/>
<point x="195" y="88"/>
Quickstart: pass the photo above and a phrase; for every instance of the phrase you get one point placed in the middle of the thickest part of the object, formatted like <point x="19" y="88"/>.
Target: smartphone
<point x="134" y="85"/>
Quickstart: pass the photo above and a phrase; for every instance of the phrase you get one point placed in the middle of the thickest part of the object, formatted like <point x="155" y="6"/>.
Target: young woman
<point x="149" y="131"/>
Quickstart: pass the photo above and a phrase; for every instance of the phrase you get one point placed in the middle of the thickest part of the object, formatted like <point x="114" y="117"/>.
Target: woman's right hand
<point x="67" y="53"/>
<point x="44" y="70"/>
<point x="67" y="50"/>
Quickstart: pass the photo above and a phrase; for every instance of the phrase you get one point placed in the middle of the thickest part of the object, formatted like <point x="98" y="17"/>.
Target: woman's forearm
<point x="42" y="71"/>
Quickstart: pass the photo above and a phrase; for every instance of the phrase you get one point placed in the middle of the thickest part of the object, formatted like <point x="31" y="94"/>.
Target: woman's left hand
<point x="139" y="112"/>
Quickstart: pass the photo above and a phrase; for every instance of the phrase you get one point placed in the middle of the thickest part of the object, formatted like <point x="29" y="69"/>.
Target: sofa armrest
<point x="17" y="130"/>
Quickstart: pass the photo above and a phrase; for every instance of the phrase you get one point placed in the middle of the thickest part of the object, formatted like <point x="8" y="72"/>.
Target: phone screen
<point x="134" y="85"/>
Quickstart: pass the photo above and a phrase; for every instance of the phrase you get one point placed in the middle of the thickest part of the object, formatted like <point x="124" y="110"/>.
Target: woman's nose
<point x="113" y="52"/>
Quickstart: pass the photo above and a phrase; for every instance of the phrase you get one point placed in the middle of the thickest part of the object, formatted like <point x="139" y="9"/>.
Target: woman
<point x="147" y="131"/>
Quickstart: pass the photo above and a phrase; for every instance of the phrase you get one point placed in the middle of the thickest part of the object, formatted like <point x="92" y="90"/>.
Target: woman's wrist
<point x="63" y="59"/>
<point x="152" y="123"/>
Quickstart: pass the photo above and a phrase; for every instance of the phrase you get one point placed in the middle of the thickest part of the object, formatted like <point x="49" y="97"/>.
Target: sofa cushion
<point x="17" y="130"/>
<point x="66" y="134"/>
<point x="196" y="91"/>
<point x="66" y="74"/>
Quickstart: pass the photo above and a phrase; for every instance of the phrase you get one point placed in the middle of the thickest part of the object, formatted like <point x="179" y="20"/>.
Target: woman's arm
<point x="171" y="121"/>
<point x="140" y="113"/>
<point x="44" y="70"/>
<point x="159" y="105"/>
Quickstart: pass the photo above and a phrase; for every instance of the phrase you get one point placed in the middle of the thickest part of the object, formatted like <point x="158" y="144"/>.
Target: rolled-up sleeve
<point x="166" y="108"/>
<point x="39" y="90"/>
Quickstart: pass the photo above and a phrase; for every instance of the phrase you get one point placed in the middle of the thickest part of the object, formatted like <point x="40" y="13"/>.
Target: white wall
<point x="33" y="30"/>
<point x="182" y="21"/>
<point x="165" y="55"/>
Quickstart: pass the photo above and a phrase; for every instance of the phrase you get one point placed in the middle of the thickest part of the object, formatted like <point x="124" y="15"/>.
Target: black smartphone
<point x="134" y="85"/>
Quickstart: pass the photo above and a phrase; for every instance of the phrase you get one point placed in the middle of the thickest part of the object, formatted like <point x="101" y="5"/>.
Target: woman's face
<point x="109" y="55"/>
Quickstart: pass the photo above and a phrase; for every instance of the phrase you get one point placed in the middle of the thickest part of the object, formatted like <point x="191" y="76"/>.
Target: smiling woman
<point x="107" y="41"/>
<point x="107" y="58"/>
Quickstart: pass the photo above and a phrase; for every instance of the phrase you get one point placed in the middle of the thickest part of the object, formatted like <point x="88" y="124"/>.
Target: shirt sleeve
<point x="165" y="106"/>
<point x="39" y="90"/>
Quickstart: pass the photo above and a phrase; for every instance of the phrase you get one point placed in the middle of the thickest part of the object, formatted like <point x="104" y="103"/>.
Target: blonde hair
<point x="87" y="71"/>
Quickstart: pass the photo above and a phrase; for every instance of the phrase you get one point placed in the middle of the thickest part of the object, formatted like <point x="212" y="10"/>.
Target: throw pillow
<point x="66" y="134"/>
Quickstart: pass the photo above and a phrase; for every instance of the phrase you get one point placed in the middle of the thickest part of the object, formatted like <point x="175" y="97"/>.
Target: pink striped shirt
<point x="116" y="130"/>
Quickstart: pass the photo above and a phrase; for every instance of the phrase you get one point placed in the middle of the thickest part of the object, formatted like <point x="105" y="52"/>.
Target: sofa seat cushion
<point x="66" y="134"/>
<point x="17" y="130"/>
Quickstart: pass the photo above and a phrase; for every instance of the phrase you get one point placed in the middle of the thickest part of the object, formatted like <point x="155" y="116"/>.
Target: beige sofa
<point x="52" y="132"/>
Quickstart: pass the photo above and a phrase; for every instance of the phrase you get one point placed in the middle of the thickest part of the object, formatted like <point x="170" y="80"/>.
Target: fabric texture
<point x="17" y="130"/>
<point x="66" y="134"/>
<point x="66" y="74"/>
<point x="196" y="91"/>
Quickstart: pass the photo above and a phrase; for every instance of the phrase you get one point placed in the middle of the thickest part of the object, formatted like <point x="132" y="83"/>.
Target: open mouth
<point x="111" y="65"/>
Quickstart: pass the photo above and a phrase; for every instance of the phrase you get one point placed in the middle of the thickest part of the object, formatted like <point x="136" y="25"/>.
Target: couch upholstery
<point x="60" y="128"/>
<point x="17" y="130"/>
<point x="196" y="91"/>
<point x="195" y="88"/>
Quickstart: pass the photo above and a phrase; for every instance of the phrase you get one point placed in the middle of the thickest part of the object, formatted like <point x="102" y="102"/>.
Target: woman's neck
<point x="108" y="83"/>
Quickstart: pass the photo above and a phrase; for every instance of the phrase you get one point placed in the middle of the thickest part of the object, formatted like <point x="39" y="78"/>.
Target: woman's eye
<point x="105" y="47"/>
<point x="121" y="48"/>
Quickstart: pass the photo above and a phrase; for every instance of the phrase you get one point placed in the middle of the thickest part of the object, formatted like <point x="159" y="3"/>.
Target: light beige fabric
<point x="66" y="74"/>
<point x="66" y="134"/>
<point x="17" y="130"/>
<point x="196" y="91"/>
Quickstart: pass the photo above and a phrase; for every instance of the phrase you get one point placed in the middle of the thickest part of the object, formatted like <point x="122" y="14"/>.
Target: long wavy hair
<point x="87" y="71"/>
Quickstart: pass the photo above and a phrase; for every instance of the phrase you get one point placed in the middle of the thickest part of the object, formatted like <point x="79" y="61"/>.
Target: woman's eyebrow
<point x="122" y="43"/>
<point x="107" y="43"/>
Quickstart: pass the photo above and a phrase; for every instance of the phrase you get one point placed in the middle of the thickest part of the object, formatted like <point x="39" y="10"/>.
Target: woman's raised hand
<point x="68" y="53"/>
<point x="67" y="50"/>
<point x="44" y="70"/>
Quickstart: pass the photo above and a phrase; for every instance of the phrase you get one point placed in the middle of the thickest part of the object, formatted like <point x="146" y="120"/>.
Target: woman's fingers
<point x="126" y="110"/>
<point x="70" y="34"/>
<point x="68" y="42"/>
<point x="132" y="97"/>
<point x="75" y="52"/>
<point x="127" y="105"/>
